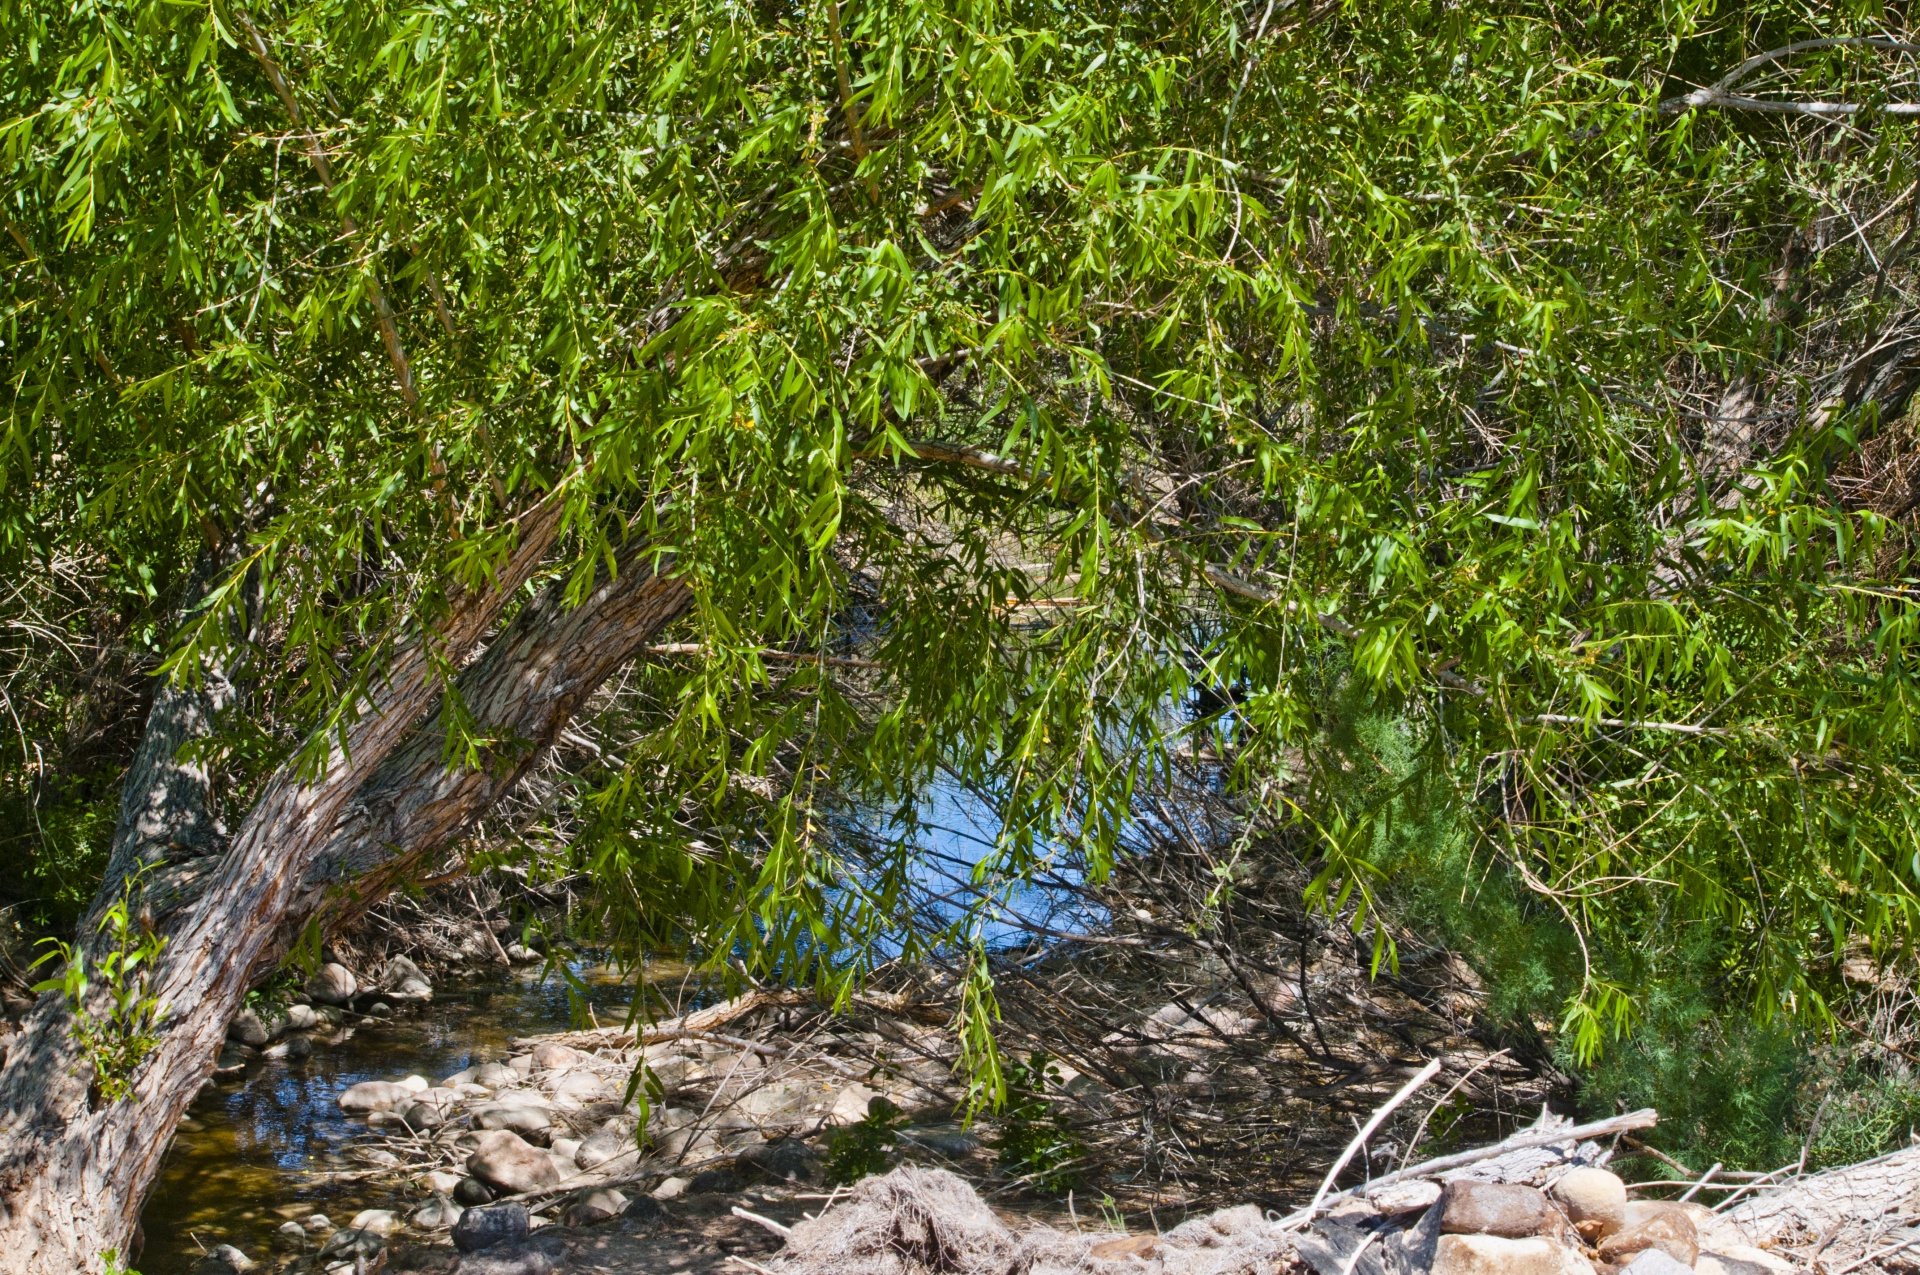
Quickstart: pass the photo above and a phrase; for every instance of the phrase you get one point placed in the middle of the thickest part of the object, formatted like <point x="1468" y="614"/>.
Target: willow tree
<point x="948" y="385"/>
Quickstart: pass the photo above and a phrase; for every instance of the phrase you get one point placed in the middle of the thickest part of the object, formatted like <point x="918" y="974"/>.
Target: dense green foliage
<point x="1258" y="341"/>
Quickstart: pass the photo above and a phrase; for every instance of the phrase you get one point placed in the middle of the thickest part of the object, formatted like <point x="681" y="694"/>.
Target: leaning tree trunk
<point x="73" y="1167"/>
<point x="528" y="685"/>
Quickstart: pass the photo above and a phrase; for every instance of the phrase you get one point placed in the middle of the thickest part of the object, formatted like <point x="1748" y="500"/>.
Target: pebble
<point x="379" y="1221"/>
<point x="580" y="1086"/>
<point x="1652" y="1261"/>
<point x="611" y="1140"/>
<point x="1506" y="1209"/>
<point x="436" y="1214"/>
<point x="318" y="1224"/>
<point x="247" y="1028"/>
<point x="414" y="991"/>
<point x="529" y="1122"/>
<point x="423" y="1117"/>
<point x="302" y="1018"/>
<point x="289" y="1236"/>
<point x="598" y="1206"/>
<point x="440" y="1182"/>
<point x="1416" y="1196"/>
<point x="1669" y="1230"/>
<point x="495" y="1075"/>
<point x="1743" y="1259"/>
<point x="671" y="1189"/>
<point x="851" y="1107"/>
<point x="552" y="1056"/>
<point x="375" y="1095"/>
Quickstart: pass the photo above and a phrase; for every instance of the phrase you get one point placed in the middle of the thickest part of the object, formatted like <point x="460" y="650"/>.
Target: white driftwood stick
<point x="1407" y="1091"/>
<point x="776" y="1227"/>
<point x="1704" y="1179"/>
<point x="1643" y="1119"/>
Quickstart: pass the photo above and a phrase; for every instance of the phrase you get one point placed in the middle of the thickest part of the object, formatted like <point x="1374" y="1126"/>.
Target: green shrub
<point x="863" y="1148"/>
<point x="1035" y="1144"/>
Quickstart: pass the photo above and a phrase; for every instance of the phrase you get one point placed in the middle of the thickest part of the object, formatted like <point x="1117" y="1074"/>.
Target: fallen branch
<point x="1643" y="1119"/>
<point x="704" y="1020"/>
<point x="777" y="1228"/>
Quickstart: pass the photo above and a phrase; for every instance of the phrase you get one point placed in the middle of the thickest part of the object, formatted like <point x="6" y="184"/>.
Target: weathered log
<point x="1842" y="1210"/>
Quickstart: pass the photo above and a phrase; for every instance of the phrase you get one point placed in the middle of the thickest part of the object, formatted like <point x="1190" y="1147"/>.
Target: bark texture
<point x="73" y="1169"/>
<point x="523" y="691"/>
<point x="169" y="824"/>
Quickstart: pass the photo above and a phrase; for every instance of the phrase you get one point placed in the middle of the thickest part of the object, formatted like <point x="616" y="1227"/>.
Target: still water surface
<point x="259" y="1151"/>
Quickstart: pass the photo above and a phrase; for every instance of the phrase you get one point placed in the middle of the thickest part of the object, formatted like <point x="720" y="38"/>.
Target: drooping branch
<point x="323" y="169"/>
<point x="1720" y="95"/>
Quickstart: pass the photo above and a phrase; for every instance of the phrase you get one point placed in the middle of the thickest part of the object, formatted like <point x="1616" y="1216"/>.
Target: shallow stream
<point x="273" y="1145"/>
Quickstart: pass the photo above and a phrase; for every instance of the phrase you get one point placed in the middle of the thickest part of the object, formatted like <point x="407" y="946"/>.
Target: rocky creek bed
<point x="527" y="1158"/>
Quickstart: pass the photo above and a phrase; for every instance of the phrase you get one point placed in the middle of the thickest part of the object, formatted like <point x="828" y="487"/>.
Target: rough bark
<point x="528" y="685"/>
<point x="1859" y="1212"/>
<point x="74" y="1169"/>
<point x="169" y="816"/>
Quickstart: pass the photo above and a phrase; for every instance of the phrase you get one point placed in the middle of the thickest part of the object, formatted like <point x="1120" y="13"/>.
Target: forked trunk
<point x="75" y="1167"/>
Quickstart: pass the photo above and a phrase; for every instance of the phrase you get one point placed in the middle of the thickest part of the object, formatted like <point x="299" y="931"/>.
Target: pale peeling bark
<point x="1849" y="1216"/>
<point x="73" y="1169"/>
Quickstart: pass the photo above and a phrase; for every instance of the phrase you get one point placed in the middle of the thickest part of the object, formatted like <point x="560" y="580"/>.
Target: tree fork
<point x="74" y="1170"/>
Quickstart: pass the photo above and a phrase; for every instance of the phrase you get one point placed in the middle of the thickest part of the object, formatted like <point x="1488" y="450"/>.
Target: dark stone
<point x="645" y="1213"/>
<point x="784" y="1160"/>
<point x="722" y="1179"/>
<point x="1505" y="1209"/>
<point x="471" y="1192"/>
<point x="480" y="1228"/>
<point x="541" y="1255"/>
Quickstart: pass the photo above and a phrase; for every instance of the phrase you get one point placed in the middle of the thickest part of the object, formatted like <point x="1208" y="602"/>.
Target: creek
<point x="274" y="1146"/>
